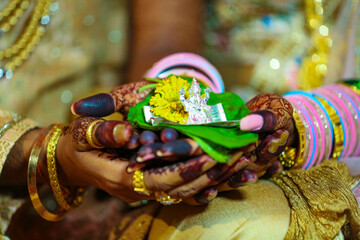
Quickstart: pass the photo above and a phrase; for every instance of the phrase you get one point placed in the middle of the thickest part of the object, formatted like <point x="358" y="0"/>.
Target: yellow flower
<point x="166" y="101"/>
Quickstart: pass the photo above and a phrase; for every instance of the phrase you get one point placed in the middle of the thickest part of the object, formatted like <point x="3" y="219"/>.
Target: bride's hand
<point x="82" y="165"/>
<point x="120" y="99"/>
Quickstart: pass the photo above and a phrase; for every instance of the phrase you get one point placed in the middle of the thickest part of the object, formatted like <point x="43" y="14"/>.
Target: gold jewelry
<point x="18" y="52"/>
<point x="15" y="119"/>
<point x="165" y="199"/>
<point x="32" y="187"/>
<point x="287" y="157"/>
<point x="299" y="160"/>
<point x="89" y="132"/>
<point x="314" y="66"/>
<point x="338" y="131"/>
<point x="66" y="198"/>
<point x="51" y="164"/>
<point x="139" y="184"/>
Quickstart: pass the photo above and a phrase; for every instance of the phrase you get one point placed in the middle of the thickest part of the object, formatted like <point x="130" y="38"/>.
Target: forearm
<point x="15" y="168"/>
<point x="161" y="27"/>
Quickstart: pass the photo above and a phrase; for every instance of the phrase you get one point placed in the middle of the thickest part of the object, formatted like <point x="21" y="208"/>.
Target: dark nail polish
<point x="177" y="147"/>
<point x="97" y="106"/>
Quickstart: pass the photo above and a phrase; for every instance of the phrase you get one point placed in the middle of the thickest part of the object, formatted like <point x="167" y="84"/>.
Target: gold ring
<point x="139" y="184"/>
<point x="89" y="134"/>
<point x="165" y="199"/>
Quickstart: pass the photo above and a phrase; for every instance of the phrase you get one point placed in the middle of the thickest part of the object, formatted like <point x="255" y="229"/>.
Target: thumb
<point x="120" y="99"/>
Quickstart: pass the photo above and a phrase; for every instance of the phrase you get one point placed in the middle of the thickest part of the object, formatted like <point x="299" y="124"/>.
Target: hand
<point x="81" y="165"/>
<point x="120" y="99"/>
<point x="271" y="117"/>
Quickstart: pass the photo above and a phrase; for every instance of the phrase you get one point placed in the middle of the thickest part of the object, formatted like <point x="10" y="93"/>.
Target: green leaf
<point x="218" y="142"/>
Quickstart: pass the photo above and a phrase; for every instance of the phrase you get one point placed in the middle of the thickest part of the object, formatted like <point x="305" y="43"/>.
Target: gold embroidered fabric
<point x="8" y="140"/>
<point x="321" y="201"/>
<point x="8" y="206"/>
<point x="309" y="204"/>
<point x="135" y="224"/>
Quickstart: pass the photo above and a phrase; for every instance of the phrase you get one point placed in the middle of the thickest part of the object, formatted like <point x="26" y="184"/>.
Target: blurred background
<point x="90" y="46"/>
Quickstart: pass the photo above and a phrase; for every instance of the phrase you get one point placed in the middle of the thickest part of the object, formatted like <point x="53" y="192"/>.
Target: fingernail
<point x="274" y="169"/>
<point x="122" y="133"/>
<point x="159" y="153"/>
<point x="250" y="176"/>
<point x="132" y="167"/>
<point x="133" y="142"/>
<point x="177" y="147"/>
<point x="206" y="196"/>
<point x="241" y="163"/>
<point x="145" y="158"/>
<point x="97" y="106"/>
<point x="242" y="178"/>
<point x="251" y="122"/>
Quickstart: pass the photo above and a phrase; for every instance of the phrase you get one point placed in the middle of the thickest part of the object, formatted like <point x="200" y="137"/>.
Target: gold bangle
<point x="139" y="184"/>
<point x="337" y="128"/>
<point x="299" y="160"/>
<point x="66" y="198"/>
<point x="32" y="187"/>
<point x="89" y="134"/>
<point x="51" y="164"/>
<point x="165" y="199"/>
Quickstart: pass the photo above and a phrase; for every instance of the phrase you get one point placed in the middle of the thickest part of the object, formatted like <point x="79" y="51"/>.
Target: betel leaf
<point x="215" y="141"/>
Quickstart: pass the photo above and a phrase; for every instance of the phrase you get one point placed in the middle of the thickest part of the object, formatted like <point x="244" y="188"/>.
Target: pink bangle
<point x="310" y="141"/>
<point x="319" y="136"/>
<point x="346" y="107"/>
<point x="179" y="60"/>
<point x="309" y="106"/>
<point x="355" y="102"/>
<point x="191" y="73"/>
<point x="344" y="115"/>
<point x="354" y="126"/>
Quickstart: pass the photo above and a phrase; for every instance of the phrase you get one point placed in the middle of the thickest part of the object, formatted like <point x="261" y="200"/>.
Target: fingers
<point x="170" y="176"/>
<point x="259" y="121"/>
<point x="202" y="198"/>
<point x="274" y="169"/>
<point x="181" y="147"/>
<point x="168" y="135"/>
<point x="147" y="137"/>
<point x="112" y="134"/>
<point x="211" y="177"/>
<point x="275" y="111"/>
<point x="118" y="100"/>
<point x="99" y="105"/>
<point x="148" y="152"/>
<point x="238" y="179"/>
<point x="90" y="132"/>
<point x="271" y="147"/>
<point x="134" y="141"/>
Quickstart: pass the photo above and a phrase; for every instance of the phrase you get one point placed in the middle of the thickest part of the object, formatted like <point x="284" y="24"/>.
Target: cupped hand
<point x="106" y="167"/>
<point x="271" y="117"/>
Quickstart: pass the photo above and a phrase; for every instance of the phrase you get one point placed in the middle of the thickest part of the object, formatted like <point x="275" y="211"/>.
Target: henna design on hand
<point x="279" y="106"/>
<point x="126" y="96"/>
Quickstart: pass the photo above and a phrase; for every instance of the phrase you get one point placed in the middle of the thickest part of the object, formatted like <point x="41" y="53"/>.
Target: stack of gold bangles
<point x="67" y="198"/>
